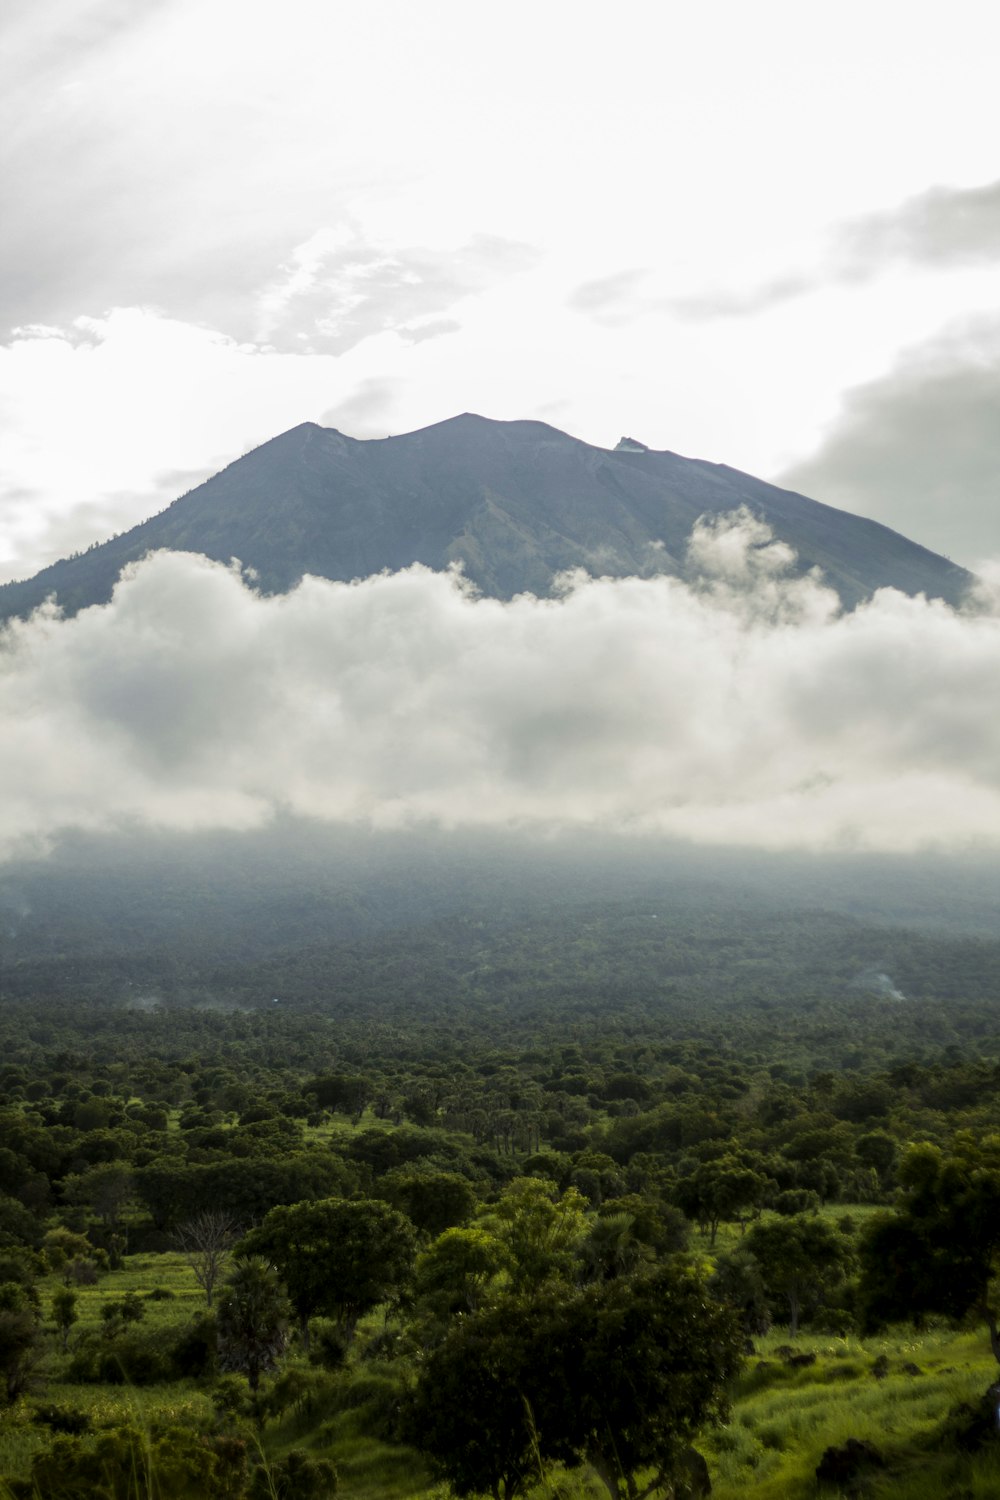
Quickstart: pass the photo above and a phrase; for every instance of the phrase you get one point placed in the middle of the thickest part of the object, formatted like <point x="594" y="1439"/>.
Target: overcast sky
<point x="766" y="235"/>
<point x="763" y="234"/>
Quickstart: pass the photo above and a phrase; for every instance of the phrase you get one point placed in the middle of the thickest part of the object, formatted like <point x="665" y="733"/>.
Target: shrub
<point x="134" y="1358"/>
<point x="173" y="1463"/>
<point x="194" y="1354"/>
<point x="308" y="1392"/>
<point x="62" y="1419"/>
<point x="295" y="1477"/>
<point x="327" y="1346"/>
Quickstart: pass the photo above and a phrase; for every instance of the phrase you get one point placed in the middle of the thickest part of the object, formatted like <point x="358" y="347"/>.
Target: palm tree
<point x="252" y="1320"/>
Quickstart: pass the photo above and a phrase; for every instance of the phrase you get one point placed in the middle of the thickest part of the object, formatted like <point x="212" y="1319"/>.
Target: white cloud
<point x="718" y="712"/>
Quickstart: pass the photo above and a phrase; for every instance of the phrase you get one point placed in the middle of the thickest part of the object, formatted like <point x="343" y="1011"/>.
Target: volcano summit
<point x="515" y="503"/>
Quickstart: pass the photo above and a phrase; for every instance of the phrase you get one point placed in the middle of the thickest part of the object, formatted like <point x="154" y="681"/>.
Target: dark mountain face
<point x="514" y="502"/>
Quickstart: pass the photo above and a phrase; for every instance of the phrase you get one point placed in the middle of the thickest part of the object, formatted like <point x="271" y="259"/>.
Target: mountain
<point x="514" y="502"/>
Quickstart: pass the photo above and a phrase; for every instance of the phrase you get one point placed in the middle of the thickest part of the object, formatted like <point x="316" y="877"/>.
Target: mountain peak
<point x="514" y="502"/>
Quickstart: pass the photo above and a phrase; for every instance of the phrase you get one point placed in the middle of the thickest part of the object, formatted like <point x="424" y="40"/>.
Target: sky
<point x="763" y="235"/>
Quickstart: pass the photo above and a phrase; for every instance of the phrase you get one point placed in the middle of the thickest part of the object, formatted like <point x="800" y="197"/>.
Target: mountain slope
<point x="514" y="502"/>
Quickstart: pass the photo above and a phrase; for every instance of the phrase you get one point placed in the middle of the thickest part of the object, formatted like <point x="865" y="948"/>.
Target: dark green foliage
<point x="242" y="1189"/>
<point x="62" y="1419"/>
<point x="432" y="1201"/>
<point x="129" y="1309"/>
<point x="801" y="1260"/>
<point x="18" y="1226"/>
<point x="19" y="1339"/>
<point x="134" y="1357"/>
<point x="620" y="1376"/>
<point x="737" y="1281"/>
<point x="327" y="1345"/>
<point x="170" y="1463"/>
<point x="937" y="1253"/>
<point x="471" y="1411"/>
<point x="194" y="1353"/>
<point x="296" y="1476"/>
<point x="64" y="1313"/>
<point x="252" y="1320"/>
<point x="337" y="1256"/>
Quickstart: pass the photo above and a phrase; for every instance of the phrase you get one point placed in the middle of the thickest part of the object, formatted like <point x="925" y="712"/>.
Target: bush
<point x="194" y="1354"/>
<point x="62" y="1419"/>
<point x="174" y="1463"/>
<point x="134" y="1358"/>
<point x="327" y="1347"/>
<point x="295" y="1477"/>
<point x="796" y="1201"/>
<point x="306" y="1392"/>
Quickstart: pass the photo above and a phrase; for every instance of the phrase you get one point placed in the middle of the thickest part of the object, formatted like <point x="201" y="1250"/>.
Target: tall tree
<point x="938" y="1252"/>
<point x="252" y="1320"/>
<point x="801" y="1259"/>
<point x="539" y="1229"/>
<point x="338" y="1256"/>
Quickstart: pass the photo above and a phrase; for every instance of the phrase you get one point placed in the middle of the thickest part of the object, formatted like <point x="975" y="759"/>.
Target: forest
<point x="606" y="1203"/>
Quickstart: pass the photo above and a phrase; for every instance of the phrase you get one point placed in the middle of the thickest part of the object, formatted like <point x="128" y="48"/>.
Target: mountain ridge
<point x="516" y="503"/>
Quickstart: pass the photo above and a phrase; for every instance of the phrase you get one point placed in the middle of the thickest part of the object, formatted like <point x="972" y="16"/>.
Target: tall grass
<point x="783" y="1419"/>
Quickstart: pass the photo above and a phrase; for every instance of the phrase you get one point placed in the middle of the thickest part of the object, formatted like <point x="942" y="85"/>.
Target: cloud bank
<point x="742" y="707"/>
<point x="918" y="448"/>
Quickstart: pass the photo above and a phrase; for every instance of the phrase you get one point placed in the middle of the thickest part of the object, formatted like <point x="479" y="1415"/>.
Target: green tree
<point x="642" y="1364"/>
<point x="106" y="1188"/>
<point x="940" y="1251"/>
<point x="612" y="1247"/>
<point x="720" y="1191"/>
<point x="340" y="1257"/>
<point x="64" y="1313"/>
<point x="801" y="1259"/>
<point x="433" y="1201"/>
<point x="620" y="1376"/>
<point x="456" y="1272"/>
<point x="539" y="1229"/>
<point x="19" y="1343"/>
<point x="252" y="1320"/>
<point x="469" y="1412"/>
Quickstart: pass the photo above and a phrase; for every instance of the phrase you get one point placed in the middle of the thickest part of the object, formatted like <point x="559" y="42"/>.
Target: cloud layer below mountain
<point x="740" y="708"/>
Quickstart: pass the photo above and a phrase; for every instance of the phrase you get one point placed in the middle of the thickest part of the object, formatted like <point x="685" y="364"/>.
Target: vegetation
<point x="556" y="1227"/>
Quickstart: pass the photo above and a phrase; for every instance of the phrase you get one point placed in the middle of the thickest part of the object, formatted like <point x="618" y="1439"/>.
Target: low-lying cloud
<point x="740" y="707"/>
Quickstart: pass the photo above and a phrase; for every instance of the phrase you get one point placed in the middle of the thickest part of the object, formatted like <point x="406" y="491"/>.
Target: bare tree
<point x="206" y="1242"/>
